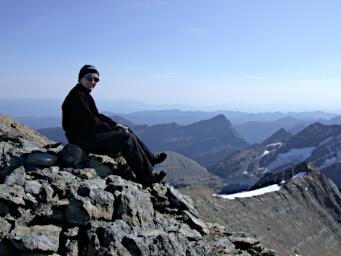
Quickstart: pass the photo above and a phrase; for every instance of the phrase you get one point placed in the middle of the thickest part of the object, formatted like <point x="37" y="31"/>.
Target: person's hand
<point x="126" y="128"/>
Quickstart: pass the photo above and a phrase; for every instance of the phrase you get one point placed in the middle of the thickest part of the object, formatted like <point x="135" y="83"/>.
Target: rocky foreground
<point x="56" y="200"/>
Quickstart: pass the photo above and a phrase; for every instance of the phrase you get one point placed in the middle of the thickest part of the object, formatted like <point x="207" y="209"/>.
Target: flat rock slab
<point x="14" y="194"/>
<point x="16" y="177"/>
<point x="41" y="159"/>
<point x="244" y="242"/>
<point x="5" y="227"/>
<point x="36" y="238"/>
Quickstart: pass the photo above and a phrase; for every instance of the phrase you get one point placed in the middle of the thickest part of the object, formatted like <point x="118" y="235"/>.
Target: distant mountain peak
<point x="318" y="131"/>
<point x="282" y="135"/>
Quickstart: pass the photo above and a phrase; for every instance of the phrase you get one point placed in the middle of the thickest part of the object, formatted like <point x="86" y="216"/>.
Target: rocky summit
<point x="57" y="200"/>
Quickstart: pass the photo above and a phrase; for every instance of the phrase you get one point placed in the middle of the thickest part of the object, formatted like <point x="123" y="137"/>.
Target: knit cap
<point x="85" y="70"/>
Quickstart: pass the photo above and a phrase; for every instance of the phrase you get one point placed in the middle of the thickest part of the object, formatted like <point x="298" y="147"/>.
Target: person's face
<point x="90" y="80"/>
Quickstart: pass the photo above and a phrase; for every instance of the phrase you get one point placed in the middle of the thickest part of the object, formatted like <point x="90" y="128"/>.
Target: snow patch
<point x="326" y="141"/>
<point x="266" y="152"/>
<point x="252" y="193"/>
<point x="292" y="156"/>
<point x="277" y="144"/>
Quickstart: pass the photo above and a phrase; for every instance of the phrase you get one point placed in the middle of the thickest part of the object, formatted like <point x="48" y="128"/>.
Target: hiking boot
<point x="153" y="178"/>
<point x="159" y="158"/>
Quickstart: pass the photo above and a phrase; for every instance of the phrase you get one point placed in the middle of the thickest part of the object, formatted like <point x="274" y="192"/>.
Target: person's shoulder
<point x="74" y="94"/>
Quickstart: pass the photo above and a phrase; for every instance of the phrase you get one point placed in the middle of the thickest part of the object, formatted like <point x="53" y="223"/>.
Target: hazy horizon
<point x="40" y="107"/>
<point x="239" y="55"/>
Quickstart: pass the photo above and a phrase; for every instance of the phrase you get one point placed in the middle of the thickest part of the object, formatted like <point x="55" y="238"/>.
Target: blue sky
<point x="242" y="54"/>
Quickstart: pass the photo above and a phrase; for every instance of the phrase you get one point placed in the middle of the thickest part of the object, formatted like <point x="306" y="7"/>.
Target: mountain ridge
<point x="302" y="218"/>
<point x="317" y="143"/>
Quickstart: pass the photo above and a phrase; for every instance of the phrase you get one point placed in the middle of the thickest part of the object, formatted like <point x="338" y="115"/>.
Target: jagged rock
<point x="244" y="242"/>
<point x="156" y="242"/>
<point x="32" y="186"/>
<point x="171" y="225"/>
<point x="5" y="228"/>
<point x="103" y="165"/>
<point x="61" y="180"/>
<point x="72" y="232"/>
<point x="41" y="159"/>
<point x="26" y="216"/>
<point x="14" y="194"/>
<point x="95" y="183"/>
<point x="135" y="206"/>
<point x="72" y="155"/>
<point x="117" y="249"/>
<point x="116" y="232"/>
<point x="36" y="238"/>
<point x="181" y="201"/>
<point x="160" y="200"/>
<point x="46" y="193"/>
<point x="86" y="173"/>
<point x="195" y="223"/>
<point x="71" y="248"/>
<point x="47" y="213"/>
<point x="30" y="199"/>
<point x="16" y="177"/>
<point x="116" y="183"/>
<point x="69" y="242"/>
<point x="99" y="204"/>
<point x="75" y="213"/>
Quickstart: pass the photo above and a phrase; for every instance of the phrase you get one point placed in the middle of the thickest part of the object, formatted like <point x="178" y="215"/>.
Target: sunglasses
<point x="91" y="78"/>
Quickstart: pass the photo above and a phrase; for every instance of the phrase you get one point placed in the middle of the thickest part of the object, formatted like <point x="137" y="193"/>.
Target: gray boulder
<point x="41" y="159"/>
<point x="72" y="155"/>
<point x="36" y="238"/>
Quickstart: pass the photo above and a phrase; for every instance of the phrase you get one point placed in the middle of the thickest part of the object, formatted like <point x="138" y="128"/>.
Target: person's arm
<point x="86" y="121"/>
<point x="107" y="120"/>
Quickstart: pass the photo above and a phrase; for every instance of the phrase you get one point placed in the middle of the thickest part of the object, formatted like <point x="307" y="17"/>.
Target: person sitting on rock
<point x="99" y="134"/>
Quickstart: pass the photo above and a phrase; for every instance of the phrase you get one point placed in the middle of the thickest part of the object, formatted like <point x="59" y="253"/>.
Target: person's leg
<point x="153" y="158"/>
<point x="116" y="141"/>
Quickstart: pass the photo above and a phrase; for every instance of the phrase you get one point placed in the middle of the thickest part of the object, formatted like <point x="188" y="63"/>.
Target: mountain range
<point x="317" y="143"/>
<point x="252" y="127"/>
<point x="206" y="141"/>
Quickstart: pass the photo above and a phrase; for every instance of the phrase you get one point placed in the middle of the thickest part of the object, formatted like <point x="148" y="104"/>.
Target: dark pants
<point x="137" y="154"/>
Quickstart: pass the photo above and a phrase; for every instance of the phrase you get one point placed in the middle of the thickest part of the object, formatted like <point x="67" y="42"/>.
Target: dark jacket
<point x="81" y="119"/>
